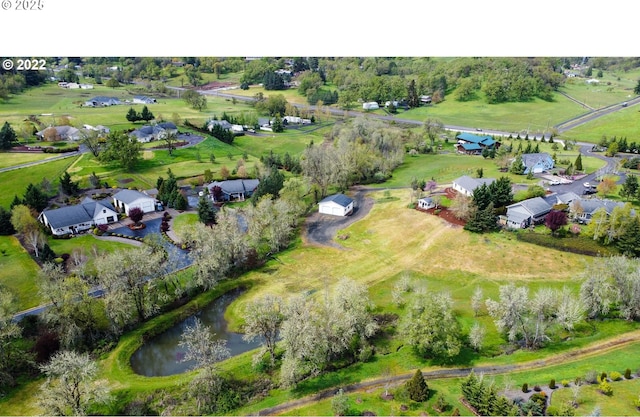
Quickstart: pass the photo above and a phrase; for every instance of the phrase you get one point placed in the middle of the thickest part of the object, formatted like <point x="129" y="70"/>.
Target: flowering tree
<point x="136" y="214"/>
<point x="555" y="220"/>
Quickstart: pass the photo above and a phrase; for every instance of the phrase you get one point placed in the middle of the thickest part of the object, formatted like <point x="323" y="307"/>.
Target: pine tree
<point x="6" y="227"/>
<point x="180" y="202"/>
<point x="206" y="213"/>
<point x="518" y="166"/>
<point x="277" y="124"/>
<point x="629" y="241"/>
<point x="35" y="198"/>
<point x="578" y="163"/>
<point x="7" y="136"/>
<point x="16" y="202"/>
<point x="413" y="100"/>
<point x="417" y="387"/>
<point x="132" y="115"/>
<point x="146" y="115"/>
<point x="67" y="186"/>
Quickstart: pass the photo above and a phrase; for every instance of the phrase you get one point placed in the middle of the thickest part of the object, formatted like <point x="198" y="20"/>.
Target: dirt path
<point x="562" y="358"/>
<point x="321" y="229"/>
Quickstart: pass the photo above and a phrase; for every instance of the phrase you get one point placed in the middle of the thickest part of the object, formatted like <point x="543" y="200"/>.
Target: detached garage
<point x="336" y="205"/>
<point x="125" y="200"/>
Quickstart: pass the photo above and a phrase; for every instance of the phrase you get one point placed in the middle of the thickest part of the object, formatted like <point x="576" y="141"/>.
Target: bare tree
<point x="476" y="336"/>
<point x="432" y="128"/>
<point x="476" y="301"/>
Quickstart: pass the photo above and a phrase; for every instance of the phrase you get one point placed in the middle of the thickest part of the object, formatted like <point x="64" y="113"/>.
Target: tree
<point x="180" y="202"/>
<point x="202" y="347"/>
<point x="630" y="187"/>
<point x="194" y="99"/>
<point x="112" y="83"/>
<point x="92" y="140"/>
<point x="431" y="327"/>
<point x="67" y="186"/>
<point x="276" y="126"/>
<point x="274" y="104"/>
<point x="629" y="241"/>
<point x="340" y="403"/>
<point x="270" y="184"/>
<point x="136" y="214"/>
<point x="555" y="220"/>
<point x="461" y="206"/>
<point x="133" y="116"/>
<point x="6" y="228"/>
<point x="417" y="387"/>
<point x="476" y="336"/>
<point x="636" y="89"/>
<point x="7" y="136"/>
<point x="413" y="100"/>
<point x="432" y="128"/>
<point x="206" y="213"/>
<point x="476" y="301"/>
<point x="24" y="223"/>
<point x="578" y="163"/>
<point x="607" y="185"/>
<point x="263" y="319"/>
<point x="517" y="167"/>
<point x="122" y="149"/>
<point x="70" y="387"/>
<point x="129" y="278"/>
<point x="146" y="114"/>
<point x="10" y="331"/>
<point x="35" y="198"/>
<point x="170" y="139"/>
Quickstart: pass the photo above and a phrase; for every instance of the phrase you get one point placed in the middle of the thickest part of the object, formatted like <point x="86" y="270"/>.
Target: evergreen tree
<point x="180" y="202"/>
<point x="35" y="198"/>
<point x="7" y="136"/>
<point x="146" y="115"/>
<point x="67" y="186"/>
<point x="629" y="241"/>
<point x="417" y="387"/>
<point x="413" y="99"/>
<point x="47" y="254"/>
<point x="630" y="187"/>
<point x="206" y="213"/>
<point x="277" y="124"/>
<point x="16" y="202"/>
<point x="481" y="196"/>
<point x="578" y="163"/>
<point x="132" y="115"/>
<point x="518" y="166"/>
<point x="167" y="188"/>
<point x="6" y="227"/>
<point x="501" y="192"/>
<point x="636" y="89"/>
<point x="271" y="184"/>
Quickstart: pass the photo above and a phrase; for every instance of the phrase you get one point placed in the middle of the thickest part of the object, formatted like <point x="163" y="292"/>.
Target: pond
<point x="161" y="355"/>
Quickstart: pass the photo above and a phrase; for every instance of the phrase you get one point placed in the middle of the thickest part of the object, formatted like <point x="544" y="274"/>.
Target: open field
<point x="623" y="123"/>
<point x="9" y="159"/>
<point x="18" y="273"/>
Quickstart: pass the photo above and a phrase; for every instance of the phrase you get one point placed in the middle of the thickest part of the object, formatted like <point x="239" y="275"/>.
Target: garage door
<point x="147" y="206"/>
<point x="336" y="211"/>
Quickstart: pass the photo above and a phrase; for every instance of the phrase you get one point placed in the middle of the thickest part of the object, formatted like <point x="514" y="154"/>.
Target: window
<point x="104" y="211"/>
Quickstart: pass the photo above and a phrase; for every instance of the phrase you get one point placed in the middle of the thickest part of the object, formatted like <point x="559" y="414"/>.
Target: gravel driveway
<point x="321" y="229"/>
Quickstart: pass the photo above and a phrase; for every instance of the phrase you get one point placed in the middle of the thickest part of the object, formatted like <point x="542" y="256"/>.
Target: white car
<point x="587" y="185"/>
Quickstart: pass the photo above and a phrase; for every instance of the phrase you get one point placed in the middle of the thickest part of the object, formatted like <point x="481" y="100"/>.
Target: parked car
<point x="587" y="185"/>
<point x="554" y="182"/>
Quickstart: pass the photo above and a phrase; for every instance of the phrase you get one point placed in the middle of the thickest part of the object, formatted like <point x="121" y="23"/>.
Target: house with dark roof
<point x="336" y="205"/>
<point x="78" y="218"/>
<point x="527" y="212"/>
<point x="537" y="163"/>
<point x="233" y="190"/>
<point x="153" y="132"/>
<point x="102" y="101"/>
<point x="473" y="144"/>
<point x="466" y="185"/>
<point x="583" y="209"/>
<point x="125" y="200"/>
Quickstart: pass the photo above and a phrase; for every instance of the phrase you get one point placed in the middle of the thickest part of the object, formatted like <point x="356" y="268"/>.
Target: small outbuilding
<point x="426" y="203"/>
<point x="336" y="205"/>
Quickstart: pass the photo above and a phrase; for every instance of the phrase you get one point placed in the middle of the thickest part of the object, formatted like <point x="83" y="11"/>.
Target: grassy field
<point x="623" y="123"/>
<point x="15" y="182"/>
<point x="16" y="262"/>
<point x="9" y="159"/>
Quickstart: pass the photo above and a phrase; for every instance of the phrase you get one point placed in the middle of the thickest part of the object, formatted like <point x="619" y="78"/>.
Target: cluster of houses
<point x="73" y="86"/>
<point x="105" y="101"/>
<point x="533" y="211"/>
<point x="470" y="144"/>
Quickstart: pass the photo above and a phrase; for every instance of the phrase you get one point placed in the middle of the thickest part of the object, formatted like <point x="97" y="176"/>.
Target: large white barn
<point x="128" y="199"/>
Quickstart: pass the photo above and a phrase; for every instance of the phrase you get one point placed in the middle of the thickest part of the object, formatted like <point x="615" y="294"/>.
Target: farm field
<point x="9" y="159"/>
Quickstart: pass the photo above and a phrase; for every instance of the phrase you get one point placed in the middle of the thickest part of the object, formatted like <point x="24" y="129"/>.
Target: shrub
<point x="591" y="377"/>
<point x="603" y="376"/>
<point x="615" y="376"/>
<point x="565" y="383"/>
<point x="525" y="387"/>
<point x="606" y="388"/>
<point x="365" y="353"/>
<point x="456" y="412"/>
<point x="627" y="373"/>
<point x="537" y="388"/>
<point x="552" y="384"/>
<point x="417" y="387"/>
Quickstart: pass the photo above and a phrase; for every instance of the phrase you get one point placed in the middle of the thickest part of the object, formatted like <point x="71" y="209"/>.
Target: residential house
<point x="466" y="185"/>
<point x="225" y="125"/>
<point x="473" y="144"/>
<point x="537" y="163"/>
<point x="233" y="190"/>
<point x="426" y="203"/>
<point x="526" y="213"/>
<point x="143" y="100"/>
<point x="59" y="133"/>
<point x="78" y="218"/>
<point x="154" y="132"/>
<point x="336" y="205"/>
<point x="125" y="200"/>
<point x="102" y="130"/>
<point x="584" y="209"/>
<point x="102" y="101"/>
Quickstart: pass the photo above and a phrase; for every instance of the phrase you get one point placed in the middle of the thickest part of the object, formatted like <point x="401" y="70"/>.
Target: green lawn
<point x="15" y="182"/>
<point x="182" y="220"/>
<point x="18" y="273"/>
<point x="622" y="123"/>
<point x="625" y="392"/>
<point x="9" y="159"/>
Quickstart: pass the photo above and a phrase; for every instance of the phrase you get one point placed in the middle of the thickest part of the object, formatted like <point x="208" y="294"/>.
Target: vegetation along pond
<point x="161" y="355"/>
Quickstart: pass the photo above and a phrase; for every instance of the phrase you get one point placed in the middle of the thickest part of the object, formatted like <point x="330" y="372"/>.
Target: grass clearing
<point x="10" y="159"/>
<point x="15" y="263"/>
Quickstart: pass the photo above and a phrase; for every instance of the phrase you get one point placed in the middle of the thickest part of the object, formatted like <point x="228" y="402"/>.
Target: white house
<point x="59" y="133"/>
<point x="537" y="163"/>
<point x="336" y="205"/>
<point x="74" y="219"/>
<point x="466" y="185"/>
<point x="370" y="105"/>
<point x="143" y="100"/>
<point x="426" y="203"/>
<point x="102" y="101"/>
<point x="125" y="200"/>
